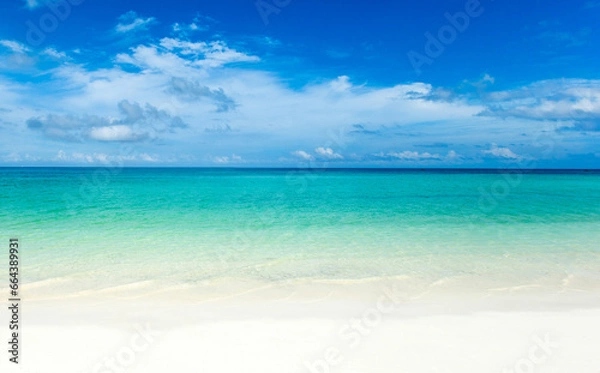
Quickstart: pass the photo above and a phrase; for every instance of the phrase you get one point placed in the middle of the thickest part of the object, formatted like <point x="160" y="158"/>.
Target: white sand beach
<point x="369" y="327"/>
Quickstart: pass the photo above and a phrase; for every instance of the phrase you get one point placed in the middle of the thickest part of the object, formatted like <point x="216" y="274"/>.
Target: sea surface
<point x="89" y="229"/>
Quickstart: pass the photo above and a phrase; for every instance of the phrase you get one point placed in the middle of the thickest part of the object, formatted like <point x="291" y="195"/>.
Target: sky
<point x="290" y="83"/>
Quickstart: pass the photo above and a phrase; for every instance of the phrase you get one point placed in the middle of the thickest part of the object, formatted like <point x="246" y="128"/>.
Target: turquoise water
<point x="117" y="226"/>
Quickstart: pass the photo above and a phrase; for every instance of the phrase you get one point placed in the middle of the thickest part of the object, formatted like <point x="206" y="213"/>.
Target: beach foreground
<point x="376" y="327"/>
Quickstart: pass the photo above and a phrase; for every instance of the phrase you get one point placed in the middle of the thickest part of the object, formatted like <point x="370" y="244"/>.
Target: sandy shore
<point x="317" y="327"/>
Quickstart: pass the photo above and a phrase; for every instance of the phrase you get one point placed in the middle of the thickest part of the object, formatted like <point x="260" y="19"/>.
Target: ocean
<point x="85" y="230"/>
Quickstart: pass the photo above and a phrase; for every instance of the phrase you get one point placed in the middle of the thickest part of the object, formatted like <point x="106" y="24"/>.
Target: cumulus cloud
<point x="452" y="155"/>
<point x="327" y="153"/>
<point x="303" y="155"/>
<point x="199" y="23"/>
<point x="66" y="127"/>
<point x="501" y="152"/>
<point x="227" y="159"/>
<point x="114" y="133"/>
<point x="178" y="27"/>
<point x="321" y="153"/>
<point x="210" y="54"/>
<point x="485" y="81"/>
<point x="184" y="29"/>
<point x="341" y="84"/>
<point x="193" y="91"/>
<point x="569" y="100"/>
<point x="16" y="158"/>
<point x="149" y="118"/>
<point x="103" y="158"/>
<point x="136" y="124"/>
<point x="413" y="156"/>
<point x="53" y="53"/>
<point x="183" y="58"/>
<point x="130" y="21"/>
<point x="410" y="155"/>
<point x="487" y="78"/>
<point x="259" y="109"/>
<point x="14" y="46"/>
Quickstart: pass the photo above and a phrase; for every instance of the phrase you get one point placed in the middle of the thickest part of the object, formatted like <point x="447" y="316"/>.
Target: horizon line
<point x="496" y="169"/>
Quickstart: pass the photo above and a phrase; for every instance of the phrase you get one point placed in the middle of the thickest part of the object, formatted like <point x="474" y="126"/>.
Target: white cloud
<point x="303" y="155"/>
<point x="500" y="152"/>
<point x="200" y="23"/>
<point x="228" y="159"/>
<point x="114" y="133"/>
<point x="16" y="158"/>
<point x="150" y="58"/>
<point x="487" y="78"/>
<point x="77" y="157"/>
<point x="14" y="46"/>
<point x="183" y="58"/>
<point x="136" y="124"/>
<point x="53" y="53"/>
<point x="341" y="84"/>
<point x="481" y="84"/>
<point x="210" y="54"/>
<point x="414" y="156"/>
<point x="410" y="155"/>
<point x="103" y="158"/>
<point x="130" y="21"/>
<point x="148" y="158"/>
<point x="264" y="105"/>
<point x="234" y="107"/>
<point x="328" y="153"/>
<point x="452" y="155"/>
<point x="193" y="91"/>
<point x="263" y="102"/>
<point x="182" y="27"/>
<point x="573" y="100"/>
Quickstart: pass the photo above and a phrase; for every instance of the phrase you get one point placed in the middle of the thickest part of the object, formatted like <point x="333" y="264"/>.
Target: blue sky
<point x="289" y="83"/>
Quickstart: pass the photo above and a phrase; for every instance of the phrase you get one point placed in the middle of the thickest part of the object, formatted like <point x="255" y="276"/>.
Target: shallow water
<point x="85" y="228"/>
